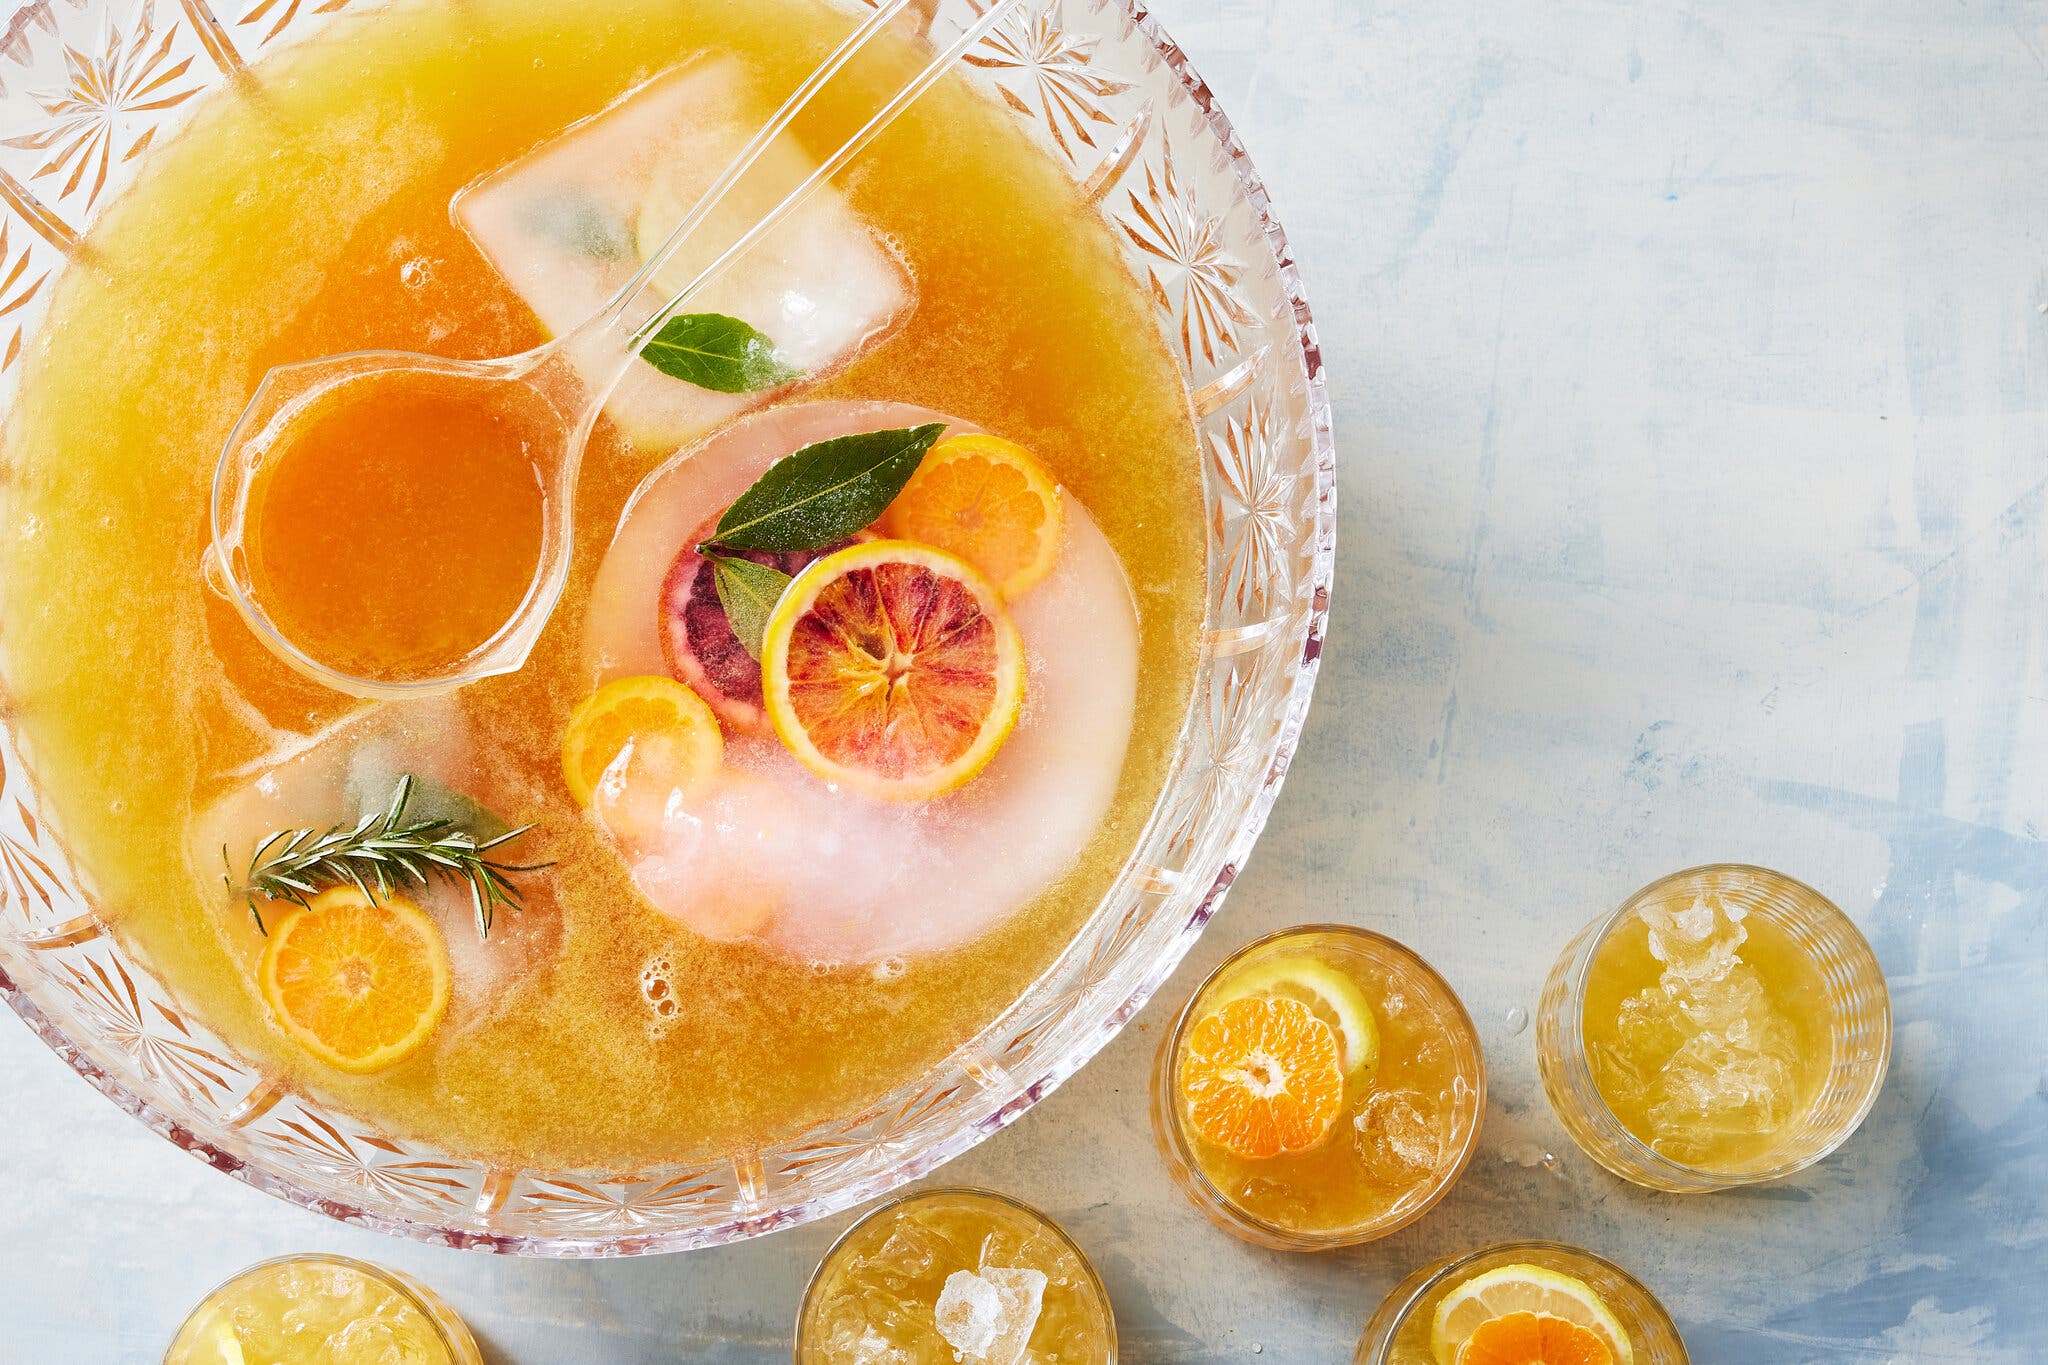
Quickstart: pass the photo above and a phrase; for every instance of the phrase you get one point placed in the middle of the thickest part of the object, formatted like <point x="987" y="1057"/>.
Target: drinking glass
<point x="1399" y="972"/>
<point x="1856" y="1020"/>
<point x="1091" y="1332"/>
<point x="1399" y="1332"/>
<point x="295" y="1283"/>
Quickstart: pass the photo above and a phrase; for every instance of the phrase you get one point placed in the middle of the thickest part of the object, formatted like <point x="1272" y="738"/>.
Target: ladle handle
<point x="831" y="166"/>
<point x="748" y="155"/>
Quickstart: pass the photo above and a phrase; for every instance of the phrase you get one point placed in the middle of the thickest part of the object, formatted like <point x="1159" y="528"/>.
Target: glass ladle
<point x="285" y="403"/>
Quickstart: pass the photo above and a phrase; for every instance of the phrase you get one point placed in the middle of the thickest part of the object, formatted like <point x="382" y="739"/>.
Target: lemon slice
<point x="674" y="191"/>
<point x="1523" y="1289"/>
<point x="1332" y="996"/>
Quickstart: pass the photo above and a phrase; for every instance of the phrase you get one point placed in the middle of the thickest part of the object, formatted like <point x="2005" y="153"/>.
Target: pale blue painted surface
<point x="1691" y="375"/>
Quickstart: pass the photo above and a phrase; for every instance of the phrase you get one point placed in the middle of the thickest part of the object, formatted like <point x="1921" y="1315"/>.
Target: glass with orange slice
<point x="1322" y="1087"/>
<point x="1521" y="1303"/>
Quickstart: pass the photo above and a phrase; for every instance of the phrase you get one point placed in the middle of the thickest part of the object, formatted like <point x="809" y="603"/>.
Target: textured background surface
<point x="1691" y="375"/>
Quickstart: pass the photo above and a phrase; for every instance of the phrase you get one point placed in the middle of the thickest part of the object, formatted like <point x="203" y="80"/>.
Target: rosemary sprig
<point x="378" y="854"/>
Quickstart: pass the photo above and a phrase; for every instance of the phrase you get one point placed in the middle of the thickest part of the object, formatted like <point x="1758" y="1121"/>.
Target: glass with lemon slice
<point x="1323" y="1087"/>
<point x="1521" y="1303"/>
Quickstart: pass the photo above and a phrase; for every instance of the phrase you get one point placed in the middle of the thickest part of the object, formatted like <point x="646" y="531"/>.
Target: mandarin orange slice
<point x="1525" y="1290"/>
<point x="654" y="713"/>
<point x="1262" y="1076"/>
<point x="1533" y="1339"/>
<point x="893" y="670"/>
<point x="988" y="501"/>
<point x="358" y="982"/>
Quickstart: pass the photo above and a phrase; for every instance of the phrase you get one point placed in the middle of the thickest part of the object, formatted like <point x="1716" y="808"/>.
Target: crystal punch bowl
<point x="85" y="85"/>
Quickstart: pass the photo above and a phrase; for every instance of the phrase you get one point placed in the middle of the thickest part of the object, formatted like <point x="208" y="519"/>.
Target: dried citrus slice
<point x="1533" y="1339"/>
<point x="646" y="710"/>
<point x="1332" y="996"/>
<point x="988" y="501"/>
<point x="1262" y="1076"/>
<point x="1525" y="1289"/>
<point x="358" y="982"/>
<point x="893" y="670"/>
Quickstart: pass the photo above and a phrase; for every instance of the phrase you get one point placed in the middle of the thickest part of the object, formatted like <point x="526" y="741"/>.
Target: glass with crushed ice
<point x="1323" y="1087"/>
<point x="955" y="1275"/>
<point x="322" y="1310"/>
<point x="1726" y="1025"/>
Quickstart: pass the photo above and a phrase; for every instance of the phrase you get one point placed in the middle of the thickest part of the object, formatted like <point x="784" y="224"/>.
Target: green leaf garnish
<point x="826" y="491"/>
<point x="748" y="592"/>
<point x="719" y="353"/>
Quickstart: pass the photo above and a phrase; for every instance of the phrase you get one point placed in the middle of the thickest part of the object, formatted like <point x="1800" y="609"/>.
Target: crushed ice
<point x="1727" y="1056"/>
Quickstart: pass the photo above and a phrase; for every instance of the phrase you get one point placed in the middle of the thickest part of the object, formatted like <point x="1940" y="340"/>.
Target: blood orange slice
<point x="892" y="669"/>
<point x="698" y="642"/>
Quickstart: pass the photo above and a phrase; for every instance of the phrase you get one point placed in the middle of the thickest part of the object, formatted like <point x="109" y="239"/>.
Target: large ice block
<point x="571" y="222"/>
<point x="349" y="769"/>
<point x="768" y="851"/>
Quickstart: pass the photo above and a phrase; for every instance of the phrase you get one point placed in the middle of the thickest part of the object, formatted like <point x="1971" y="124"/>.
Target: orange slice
<point x="355" y="981"/>
<point x="1530" y="1291"/>
<point x="651" y="714"/>
<point x="988" y="501"/>
<point x="1262" y="1076"/>
<point x="893" y="670"/>
<point x="1533" y="1339"/>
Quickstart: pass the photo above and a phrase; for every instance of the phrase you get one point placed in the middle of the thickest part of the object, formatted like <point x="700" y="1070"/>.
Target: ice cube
<point x="1649" y="1028"/>
<point x="1714" y="1087"/>
<point x="855" y="881"/>
<point x="571" y="222"/>
<point x="875" y="1349"/>
<point x="969" y="1313"/>
<point x="1023" y="1299"/>
<point x="1399" y="1136"/>
<point x="910" y="1253"/>
<point x="351" y="769"/>
<point x="1699" y="942"/>
<point x="1281" y="1201"/>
